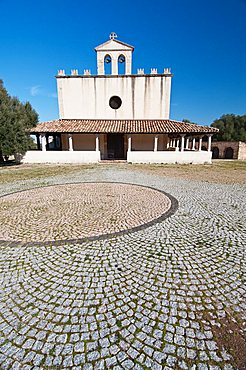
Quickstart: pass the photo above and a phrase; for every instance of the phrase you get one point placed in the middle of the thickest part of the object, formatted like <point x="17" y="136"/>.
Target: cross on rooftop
<point x="113" y="36"/>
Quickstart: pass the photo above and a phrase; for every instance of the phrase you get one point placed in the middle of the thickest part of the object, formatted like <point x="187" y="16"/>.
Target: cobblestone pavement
<point x="73" y="211"/>
<point x="150" y="299"/>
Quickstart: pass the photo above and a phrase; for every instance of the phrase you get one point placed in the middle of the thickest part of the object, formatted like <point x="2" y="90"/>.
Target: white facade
<point x="143" y="96"/>
<point x="115" y="101"/>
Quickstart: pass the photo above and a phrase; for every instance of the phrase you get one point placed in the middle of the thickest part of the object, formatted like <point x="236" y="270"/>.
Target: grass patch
<point x="220" y="171"/>
<point x="38" y="171"/>
<point x="119" y="323"/>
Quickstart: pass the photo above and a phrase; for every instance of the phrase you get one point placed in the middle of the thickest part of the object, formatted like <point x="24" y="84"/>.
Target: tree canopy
<point x="232" y="127"/>
<point x="15" y="120"/>
<point x="185" y="120"/>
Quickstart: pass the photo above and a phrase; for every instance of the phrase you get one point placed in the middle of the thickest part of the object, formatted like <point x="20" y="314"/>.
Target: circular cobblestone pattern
<point x="75" y="211"/>
<point x="162" y="297"/>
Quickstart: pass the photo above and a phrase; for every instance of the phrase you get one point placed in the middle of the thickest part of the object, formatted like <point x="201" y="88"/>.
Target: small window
<point x="115" y="102"/>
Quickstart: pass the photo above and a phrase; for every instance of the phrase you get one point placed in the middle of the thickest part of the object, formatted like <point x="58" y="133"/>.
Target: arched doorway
<point x="228" y="154"/>
<point x="215" y="152"/>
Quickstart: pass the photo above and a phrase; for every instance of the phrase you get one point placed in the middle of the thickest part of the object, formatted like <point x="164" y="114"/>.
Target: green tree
<point x="232" y="127"/>
<point x="15" y="120"/>
<point x="185" y="120"/>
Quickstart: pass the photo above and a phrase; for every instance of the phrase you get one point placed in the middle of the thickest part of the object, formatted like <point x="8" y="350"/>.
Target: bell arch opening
<point x="107" y="64"/>
<point x="121" y="64"/>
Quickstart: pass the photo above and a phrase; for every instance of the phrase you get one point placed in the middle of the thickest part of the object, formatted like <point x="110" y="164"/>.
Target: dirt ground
<point x="220" y="171"/>
<point x="223" y="172"/>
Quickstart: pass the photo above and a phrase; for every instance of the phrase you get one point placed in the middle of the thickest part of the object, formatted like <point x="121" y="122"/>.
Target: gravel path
<point x="150" y="299"/>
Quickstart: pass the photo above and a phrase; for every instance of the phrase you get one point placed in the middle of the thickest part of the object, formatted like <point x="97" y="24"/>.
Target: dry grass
<point x="37" y="171"/>
<point x="223" y="172"/>
<point x="226" y="172"/>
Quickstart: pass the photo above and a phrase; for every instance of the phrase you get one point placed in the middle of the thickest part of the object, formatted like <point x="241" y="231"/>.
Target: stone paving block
<point x="134" y="300"/>
<point x="79" y="359"/>
<point x="111" y="361"/>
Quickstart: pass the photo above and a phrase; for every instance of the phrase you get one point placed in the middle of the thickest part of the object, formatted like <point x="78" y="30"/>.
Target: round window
<point x="115" y="102"/>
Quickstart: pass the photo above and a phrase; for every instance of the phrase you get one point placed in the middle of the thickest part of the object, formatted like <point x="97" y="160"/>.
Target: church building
<point x="117" y="115"/>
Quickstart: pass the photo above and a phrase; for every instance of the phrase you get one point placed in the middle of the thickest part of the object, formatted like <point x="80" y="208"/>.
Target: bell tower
<point x="114" y="52"/>
<point x="115" y="92"/>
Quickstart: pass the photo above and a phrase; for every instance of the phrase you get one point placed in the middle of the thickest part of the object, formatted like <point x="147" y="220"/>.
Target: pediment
<point x="114" y="45"/>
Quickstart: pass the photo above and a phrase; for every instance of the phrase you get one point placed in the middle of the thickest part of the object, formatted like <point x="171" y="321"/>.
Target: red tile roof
<point x="136" y="126"/>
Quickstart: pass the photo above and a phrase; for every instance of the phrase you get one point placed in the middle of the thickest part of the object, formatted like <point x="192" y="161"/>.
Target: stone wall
<point x="242" y="150"/>
<point x="228" y="149"/>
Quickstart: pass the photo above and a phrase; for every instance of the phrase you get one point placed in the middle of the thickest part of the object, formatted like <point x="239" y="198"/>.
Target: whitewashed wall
<point x="38" y="156"/>
<point x="146" y="142"/>
<point x="83" y="142"/>
<point x="143" y="96"/>
<point x="193" y="157"/>
<point x="202" y="157"/>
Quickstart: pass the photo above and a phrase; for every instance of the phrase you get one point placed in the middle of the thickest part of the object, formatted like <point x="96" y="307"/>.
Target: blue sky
<point x="204" y="43"/>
